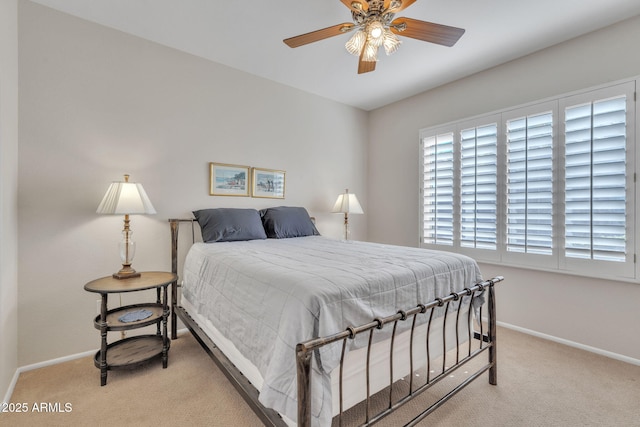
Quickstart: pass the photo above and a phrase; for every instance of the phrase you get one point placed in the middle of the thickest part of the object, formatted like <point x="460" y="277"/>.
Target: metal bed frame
<point x="306" y="350"/>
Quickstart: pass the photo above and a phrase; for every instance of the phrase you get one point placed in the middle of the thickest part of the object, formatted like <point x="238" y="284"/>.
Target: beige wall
<point x="8" y="189"/>
<point x="590" y="312"/>
<point x="96" y="103"/>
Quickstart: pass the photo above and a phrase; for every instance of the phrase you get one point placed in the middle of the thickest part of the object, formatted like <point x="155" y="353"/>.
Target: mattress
<point x="265" y="296"/>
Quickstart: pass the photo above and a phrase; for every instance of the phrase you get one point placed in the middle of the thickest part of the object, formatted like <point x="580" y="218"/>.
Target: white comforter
<point x="268" y="295"/>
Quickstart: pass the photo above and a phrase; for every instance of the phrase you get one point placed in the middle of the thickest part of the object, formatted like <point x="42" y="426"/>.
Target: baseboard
<point x="595" y="350"/>
<point x="7" y="397"/>
<point x="14" y="380"/>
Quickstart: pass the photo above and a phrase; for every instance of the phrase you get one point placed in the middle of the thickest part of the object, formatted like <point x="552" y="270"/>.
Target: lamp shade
<point x="347" y="203"/>
<point x="124" y="198"/>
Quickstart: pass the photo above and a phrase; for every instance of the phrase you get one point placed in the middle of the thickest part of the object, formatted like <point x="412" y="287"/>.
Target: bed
<point x="307" y="327"/>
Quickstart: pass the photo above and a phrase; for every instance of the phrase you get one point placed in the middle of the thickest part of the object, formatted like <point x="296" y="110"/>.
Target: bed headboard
<point x="174" y="223"/>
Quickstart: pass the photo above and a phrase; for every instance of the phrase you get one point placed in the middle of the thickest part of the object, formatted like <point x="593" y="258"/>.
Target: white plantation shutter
<point x="595" y="180"/>
<point x="438" y="181"/>
<point x="478" y="189"/>
<point x="530" y="184"/>
<point x="549" y="185"/>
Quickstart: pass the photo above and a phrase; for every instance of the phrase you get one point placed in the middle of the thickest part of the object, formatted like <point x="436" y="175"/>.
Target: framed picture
<point x="267" y="183"/>
<point x="228" y="180"/>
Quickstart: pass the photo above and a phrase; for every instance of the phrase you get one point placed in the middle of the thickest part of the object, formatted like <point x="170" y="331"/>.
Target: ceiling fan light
<point x="375" y="32"/>
<point x="356" y="42"/>
<point x="391" y="42"/>
<point x="370" y="53"/>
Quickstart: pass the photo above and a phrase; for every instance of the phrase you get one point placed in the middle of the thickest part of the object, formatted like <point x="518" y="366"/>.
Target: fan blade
<point x="315" y="36"/>
<point x="427" y="31"/>
<point x="365" y="66"/>
<point x="405" y="4"/>
<point x="363" y="5"/>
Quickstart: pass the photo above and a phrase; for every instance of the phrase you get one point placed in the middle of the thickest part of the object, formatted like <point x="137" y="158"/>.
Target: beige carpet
<point x="540" y="383"/>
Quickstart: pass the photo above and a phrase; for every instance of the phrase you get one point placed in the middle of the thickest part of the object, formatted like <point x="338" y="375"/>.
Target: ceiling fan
<point x="375" y="26"/>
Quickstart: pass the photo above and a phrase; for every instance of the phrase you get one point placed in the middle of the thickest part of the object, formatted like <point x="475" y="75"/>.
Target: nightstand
<point x="133" y="351"/>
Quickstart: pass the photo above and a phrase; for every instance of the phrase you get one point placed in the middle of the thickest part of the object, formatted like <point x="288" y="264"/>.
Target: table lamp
<point x="126" y="198"/>
<point x="347" y="203"/>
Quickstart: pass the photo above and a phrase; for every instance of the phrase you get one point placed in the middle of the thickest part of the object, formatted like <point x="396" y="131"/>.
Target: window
<point x="549" y="185"/>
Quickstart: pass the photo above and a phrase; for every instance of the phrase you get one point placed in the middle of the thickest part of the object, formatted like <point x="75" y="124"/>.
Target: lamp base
<point x="126" y="273"/>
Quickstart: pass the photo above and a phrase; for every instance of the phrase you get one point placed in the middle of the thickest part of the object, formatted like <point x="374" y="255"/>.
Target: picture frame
<point x="267" y="183"/>
<point x="229" y="180"/>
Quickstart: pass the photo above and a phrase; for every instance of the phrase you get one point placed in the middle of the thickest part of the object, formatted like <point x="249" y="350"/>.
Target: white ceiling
<point x="247" y="35"/>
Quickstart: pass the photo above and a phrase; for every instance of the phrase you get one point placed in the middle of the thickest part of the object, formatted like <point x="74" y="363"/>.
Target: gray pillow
<point x="229" y="224"/>
<point x="284" y="222"/>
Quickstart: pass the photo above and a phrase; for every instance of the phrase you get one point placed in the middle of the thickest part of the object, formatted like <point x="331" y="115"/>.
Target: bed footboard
<point x="306" y="350"/>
